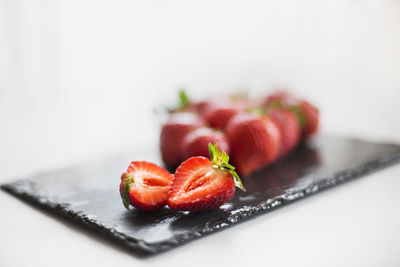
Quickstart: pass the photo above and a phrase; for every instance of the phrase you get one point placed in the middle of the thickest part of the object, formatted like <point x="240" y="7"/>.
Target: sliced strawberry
<point x="145" y="185"/>
<point x="201" y="184"/>
<point x="254" y="141"/>
<point x="172" y="133"/>
<point x="289" y="128"/>
<point x="196" y="142"/>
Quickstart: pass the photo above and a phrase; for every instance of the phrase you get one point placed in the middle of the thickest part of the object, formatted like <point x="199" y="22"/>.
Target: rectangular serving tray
<point x="89" y="194"/>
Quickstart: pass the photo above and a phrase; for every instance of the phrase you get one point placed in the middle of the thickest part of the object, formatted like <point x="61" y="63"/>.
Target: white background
<point x="80" y="79"/>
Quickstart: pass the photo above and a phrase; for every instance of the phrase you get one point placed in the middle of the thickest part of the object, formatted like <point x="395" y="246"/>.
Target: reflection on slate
<point x="89" y="195"/>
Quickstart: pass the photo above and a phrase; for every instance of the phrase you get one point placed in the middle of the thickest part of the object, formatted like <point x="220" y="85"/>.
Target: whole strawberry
<point x="280" y="99"/>
<point x="218" y="114"/>
<point x="201" y="184"/>
<point x="289" y="128"/>
<point x="173" y="132"/>
<point x="196" y="142"/>
<point x="186" y="104"/>
<point x="307" y="114"/>
<point x="254" y="140"/>
<point x="311" y="118"/>
<point x="145" y="185"/>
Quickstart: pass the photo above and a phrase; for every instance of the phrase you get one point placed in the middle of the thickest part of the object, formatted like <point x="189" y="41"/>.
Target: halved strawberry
<point x="254" y="141"/>
<point x="289" y="127"/>
<point x="201" y="184"/>
<point x="196" y="142"/>
<point x="145" y="185"/>
<point x="172" y="133"/>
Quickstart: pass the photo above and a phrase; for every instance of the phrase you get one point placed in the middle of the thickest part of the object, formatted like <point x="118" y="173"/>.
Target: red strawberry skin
<point x="148" y="185"/>
<point x="198" y="186"/>
<point x="173" y="132"/>
<point x="280" y="97"/>
<point x="311" y="117"/>
<point x="254" y="141"/>
<point x="289" y="128"/>
<point x="196" y="142"/>
<point x="218" y="115"/>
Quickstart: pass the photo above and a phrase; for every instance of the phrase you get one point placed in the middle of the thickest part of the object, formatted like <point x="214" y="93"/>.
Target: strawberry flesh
<point x="199" y="186"/>
<point x="145" y="185"/>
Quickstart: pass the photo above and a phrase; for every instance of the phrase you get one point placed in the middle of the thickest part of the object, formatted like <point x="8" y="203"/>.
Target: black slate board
<point x="89" y="195"/>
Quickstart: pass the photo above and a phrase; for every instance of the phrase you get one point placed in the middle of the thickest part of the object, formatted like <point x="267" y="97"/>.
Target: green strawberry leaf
<point x="183" y="99"/>
<point x="220" y="160"/>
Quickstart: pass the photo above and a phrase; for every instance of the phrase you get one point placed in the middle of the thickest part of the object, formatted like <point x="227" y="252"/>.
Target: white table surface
<point x="79" y="79"/>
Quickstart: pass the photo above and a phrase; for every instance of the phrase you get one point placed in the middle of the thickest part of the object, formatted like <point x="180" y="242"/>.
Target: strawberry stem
<point x="220" y="160"/>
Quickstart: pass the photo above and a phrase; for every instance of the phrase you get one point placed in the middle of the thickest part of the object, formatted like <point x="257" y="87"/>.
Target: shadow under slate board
<point x="88" y="194"/>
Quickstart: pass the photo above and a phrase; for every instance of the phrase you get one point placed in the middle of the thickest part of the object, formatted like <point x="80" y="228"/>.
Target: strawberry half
<point x="254" y="141"/>
<point x="196" y="142"/>
<point x="173" y="132"/>
<point x="201" y="184"/>
<point x="145" y="185"/>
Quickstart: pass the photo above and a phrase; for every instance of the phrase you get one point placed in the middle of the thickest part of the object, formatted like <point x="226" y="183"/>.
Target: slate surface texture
<point x="88" y="194"/>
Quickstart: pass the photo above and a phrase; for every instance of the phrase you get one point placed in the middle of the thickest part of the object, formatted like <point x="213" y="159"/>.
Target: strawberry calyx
<point x="220" y="160"/>
<point x="129" y="180"/>
<point x="184" y="102"/>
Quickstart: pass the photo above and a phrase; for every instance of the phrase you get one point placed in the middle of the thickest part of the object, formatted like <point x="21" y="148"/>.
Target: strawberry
<point x="172" y="133"/>
<point x="280" y="99"/>
<point x="254" y="141"/>
<point x="311" y="118"/>
<point x="196" y="142"/>
<point x="288" y="126"/>
<point x="201" y="184"/>
<point x="306" y="113"/>
<point x="218" y="115"/>
<point x="145" y="185"/>
<point x="188" y="105"/>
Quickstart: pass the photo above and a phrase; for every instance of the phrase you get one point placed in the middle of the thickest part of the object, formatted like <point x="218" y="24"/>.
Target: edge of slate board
<point x="24" y="190"/>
